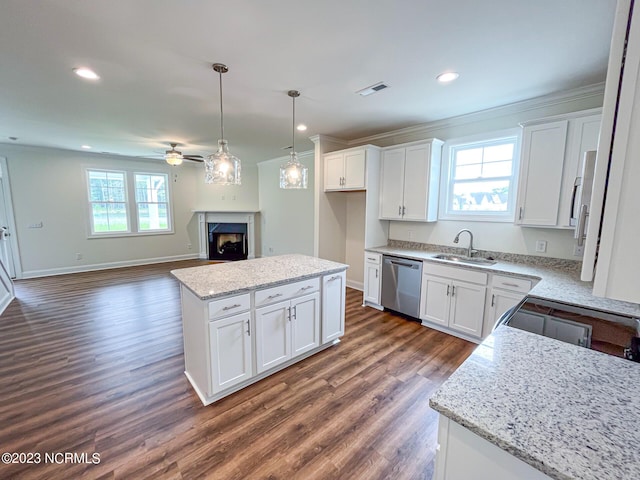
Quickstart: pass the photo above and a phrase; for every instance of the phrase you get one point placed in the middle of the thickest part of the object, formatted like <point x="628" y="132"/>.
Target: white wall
<point x="228" y="198"/>
<point x="49" y="186"/>
<point x="286" y="216"/>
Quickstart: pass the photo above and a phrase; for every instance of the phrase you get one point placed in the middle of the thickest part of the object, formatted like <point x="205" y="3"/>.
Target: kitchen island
<point x="527" y="406"/>
<point x="243" y="321"/>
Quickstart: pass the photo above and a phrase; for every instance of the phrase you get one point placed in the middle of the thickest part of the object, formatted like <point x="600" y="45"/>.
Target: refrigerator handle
<point x="576" y="184"/>
<point x="582" y="223"/>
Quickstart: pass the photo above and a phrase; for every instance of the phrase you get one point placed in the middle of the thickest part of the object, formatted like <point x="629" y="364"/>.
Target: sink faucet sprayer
<point x="470" y="250"/>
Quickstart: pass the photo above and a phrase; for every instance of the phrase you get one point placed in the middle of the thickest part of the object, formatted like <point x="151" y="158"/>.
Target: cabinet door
<point x="467" y="308"/>
<point x="305" y="323"/>
<point x="333" y="304"/>
<point x="391" y="184"/>
<point x="434" y="299"/>
<point x="273" y="335"/>
<point x="501" y="301"/>
<point x="372" y="283"/>
<point x="354" y="170"/>
<point x="230" y="343"/>
<point x="416" y="182"/>
<point x="543" y="154"/>
<point x="333" y="171"/>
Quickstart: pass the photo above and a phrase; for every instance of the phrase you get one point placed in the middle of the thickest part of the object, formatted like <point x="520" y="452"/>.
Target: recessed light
<point x="447" y="77"/>
<point x="86" y="147"/>
<point x="302" y="127"/>
<point x="86" y="73"/>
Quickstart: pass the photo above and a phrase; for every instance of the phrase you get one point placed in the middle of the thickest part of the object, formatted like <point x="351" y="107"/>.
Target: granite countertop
<point x="211" y="281"/>
<point x="570" y="412"/>
<point x="557" y="281"/>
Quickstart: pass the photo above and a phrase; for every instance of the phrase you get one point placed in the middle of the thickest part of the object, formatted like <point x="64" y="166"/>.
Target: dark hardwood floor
<point x="92" y="363"/>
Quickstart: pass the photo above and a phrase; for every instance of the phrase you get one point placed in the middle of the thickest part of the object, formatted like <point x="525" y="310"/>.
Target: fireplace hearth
<point x="227" y="241"/>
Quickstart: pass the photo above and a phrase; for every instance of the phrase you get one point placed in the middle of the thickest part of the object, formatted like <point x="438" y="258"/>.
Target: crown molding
<point x="550" y="100"/>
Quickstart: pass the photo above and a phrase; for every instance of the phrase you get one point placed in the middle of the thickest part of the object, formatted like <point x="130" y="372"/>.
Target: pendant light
<point x="293" y="174"/>
<point x="222" y="168"/>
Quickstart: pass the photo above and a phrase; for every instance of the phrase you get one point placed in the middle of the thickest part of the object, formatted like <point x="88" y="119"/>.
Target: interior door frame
<point x="8" y="201"/>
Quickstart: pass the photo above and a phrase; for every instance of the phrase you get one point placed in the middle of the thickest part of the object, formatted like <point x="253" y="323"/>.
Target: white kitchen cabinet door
<point x="305" y="323"/>
<point x="273" y="335"/>
<point x="467" y="308"/>
<point x="372" y="282"/>
<point x="543" y="152"/>
<point x="417" y="166"/>
<point x="354" y="170"/>
<point x="333" y="304"/>
<point x="392" y="184"/>
<point x="434" y="299"/>
<point x="501" y="301"/>
<point x="333" y="171"/>
<point x="230" y="344"/>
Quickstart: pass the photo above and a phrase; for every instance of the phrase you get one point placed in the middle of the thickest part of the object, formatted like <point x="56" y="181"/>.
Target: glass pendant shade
<point x="173" y="159"/>
<point x="293" y="174"/>
<point x="222" y="168"/>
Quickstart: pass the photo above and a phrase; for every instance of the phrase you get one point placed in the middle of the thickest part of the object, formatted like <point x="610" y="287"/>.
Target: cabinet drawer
<point x="284" y="292"/>
<point x="455" y="273"/>
<point x="511" y="283"/>
<point x="229" y="306"/>
<point x="375" y="258"/>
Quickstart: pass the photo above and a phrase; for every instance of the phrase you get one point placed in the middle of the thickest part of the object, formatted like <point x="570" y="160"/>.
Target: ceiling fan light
<point x="174" y="159"/>
<point x="222" y="168"/>
<point x="293" y="174"/>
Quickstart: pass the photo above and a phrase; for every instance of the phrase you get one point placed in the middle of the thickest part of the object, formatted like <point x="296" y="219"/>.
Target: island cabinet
<point x="453" y="299"/>
<point x="288" y="328"/>
<point x="244" y="322"/>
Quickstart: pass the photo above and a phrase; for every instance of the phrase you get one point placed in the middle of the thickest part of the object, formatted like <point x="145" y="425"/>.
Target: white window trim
<point x="502" y="217"/>
<point x="132" y="205"/>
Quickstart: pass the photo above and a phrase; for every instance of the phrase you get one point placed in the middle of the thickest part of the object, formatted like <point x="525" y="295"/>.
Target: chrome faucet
<point x="470" y="250"/>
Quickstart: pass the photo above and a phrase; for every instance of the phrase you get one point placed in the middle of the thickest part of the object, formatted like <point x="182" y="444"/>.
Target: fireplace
<point x="228" y="241"/>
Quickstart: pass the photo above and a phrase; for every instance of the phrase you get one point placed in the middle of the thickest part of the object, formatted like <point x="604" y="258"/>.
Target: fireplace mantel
<point x="208" y="216"/>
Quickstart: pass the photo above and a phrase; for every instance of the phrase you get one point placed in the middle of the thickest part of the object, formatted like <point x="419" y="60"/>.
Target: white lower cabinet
<point x="230" y="347"/>
<point x="506" y="292"/>
<point x="333" y="304"/>
<point x="453" y="298"/>
<point x="372" y="278"/>
<point x="286" y="329"/>
<point x="461" y="454"/>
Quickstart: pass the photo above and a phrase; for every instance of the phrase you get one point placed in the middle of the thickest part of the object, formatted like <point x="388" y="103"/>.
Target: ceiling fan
<point x="175" y="157"/>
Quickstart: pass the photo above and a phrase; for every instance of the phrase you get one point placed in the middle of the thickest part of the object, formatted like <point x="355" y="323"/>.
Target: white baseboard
<point x="105" y="266"/>
<point x="355" y="285"/>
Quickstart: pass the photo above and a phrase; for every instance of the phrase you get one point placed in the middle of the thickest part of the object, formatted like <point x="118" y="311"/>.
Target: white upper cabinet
<point x="409" y="179"/>
<point x="345" y="169"/>
<point x="551" y="160"/>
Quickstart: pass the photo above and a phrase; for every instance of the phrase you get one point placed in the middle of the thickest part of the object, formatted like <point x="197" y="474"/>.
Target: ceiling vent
<point x="365" y="92"/>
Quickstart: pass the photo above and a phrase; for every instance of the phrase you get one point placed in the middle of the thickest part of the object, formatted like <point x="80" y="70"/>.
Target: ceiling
<point x="157" y="86"/>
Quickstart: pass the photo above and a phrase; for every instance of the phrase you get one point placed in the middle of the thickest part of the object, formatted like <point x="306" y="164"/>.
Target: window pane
<point x="497" y="153"/>
<point x="152" y="216"/>
<point x="109" y="217"/>
<point x="468" y="156"/>
<point x="497" y="169"/>
<point x="467" y="172"/>
<point x="480" y="196"/>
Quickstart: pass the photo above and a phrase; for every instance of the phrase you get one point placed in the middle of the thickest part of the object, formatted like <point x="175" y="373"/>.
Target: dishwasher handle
<point x="393" y="261"/>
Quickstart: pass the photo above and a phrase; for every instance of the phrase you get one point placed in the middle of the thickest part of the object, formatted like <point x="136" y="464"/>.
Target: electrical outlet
<point x="78" y="256"/>
<point x="36" y="225"/>
<point x="578" y="250"/>
<point x="412" y="235"/>
<point x="541" y="246"/>
<point x="189" y="246"/>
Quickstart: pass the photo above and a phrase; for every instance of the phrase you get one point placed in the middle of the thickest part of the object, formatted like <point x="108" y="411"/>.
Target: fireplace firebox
<point x="227" y="241"/>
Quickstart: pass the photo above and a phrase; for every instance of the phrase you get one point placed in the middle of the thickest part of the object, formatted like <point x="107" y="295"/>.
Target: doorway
<point x="8" y="243"/>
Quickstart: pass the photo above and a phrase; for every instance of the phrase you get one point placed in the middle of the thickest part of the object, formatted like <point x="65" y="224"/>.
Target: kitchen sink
<point x="463" y="259"/>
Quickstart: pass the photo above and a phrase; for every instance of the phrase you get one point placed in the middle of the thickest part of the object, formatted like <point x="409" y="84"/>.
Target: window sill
<point x="129" y="234"/>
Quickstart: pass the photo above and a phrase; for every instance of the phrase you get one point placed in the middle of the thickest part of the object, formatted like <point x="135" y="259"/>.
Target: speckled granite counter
<point x="570" y="412"/>
<point x="211" y="281"/>
<point x="556" y="281"/>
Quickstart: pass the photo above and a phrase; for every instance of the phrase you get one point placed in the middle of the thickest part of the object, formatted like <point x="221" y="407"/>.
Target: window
<point x="108" y="200"/>
<point x="152" y="202"/>
<point x="112" y="212"/>
<point x="479" y="179"/>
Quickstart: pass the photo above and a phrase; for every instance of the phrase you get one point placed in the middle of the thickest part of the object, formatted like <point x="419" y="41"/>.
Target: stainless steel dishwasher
<point x="401" y="280"/>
